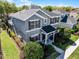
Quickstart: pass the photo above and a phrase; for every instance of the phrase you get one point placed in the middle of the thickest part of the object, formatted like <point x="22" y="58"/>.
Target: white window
<point x="34" y="24"/>
<point x="54" y="20"/>
<point x="45" y="21"/>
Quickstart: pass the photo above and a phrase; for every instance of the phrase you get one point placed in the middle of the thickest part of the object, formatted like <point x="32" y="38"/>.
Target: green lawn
<point x="74" y="37"/>
<point x="75" y="54"/>
<point x="9" y="49"/>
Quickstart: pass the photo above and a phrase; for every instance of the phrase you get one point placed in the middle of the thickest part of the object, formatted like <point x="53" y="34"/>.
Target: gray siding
<point x="20" y="25"/>
<point x="34" y="17"/>
<point x="47" y="17"/>
<point x="22" y="29"/>
<point x="33" y="32"/>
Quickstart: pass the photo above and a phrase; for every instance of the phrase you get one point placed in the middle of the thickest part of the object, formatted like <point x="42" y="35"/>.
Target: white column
<point x="41" y="37"/>
<point x="53" y="36"/>
<point x="46" y="37"/>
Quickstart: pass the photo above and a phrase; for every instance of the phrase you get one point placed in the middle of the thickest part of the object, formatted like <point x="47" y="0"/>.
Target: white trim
<point x="34" y="35"/>
<point x="33" y="14"/>
<point x="33" y="30"/>
<point x="39" y="15"/>
<point x="34" y="20"/>
<point x="48" y="15"/>
<point x="55" y="23"/>
<point x="51" y="32"/>
<point x="43" y="31"/>
<point x="46" y="37"/>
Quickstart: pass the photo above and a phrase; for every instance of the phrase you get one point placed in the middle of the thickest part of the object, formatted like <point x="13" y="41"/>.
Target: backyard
<point x="75" y="54"/>
<point x="9" y="48"/>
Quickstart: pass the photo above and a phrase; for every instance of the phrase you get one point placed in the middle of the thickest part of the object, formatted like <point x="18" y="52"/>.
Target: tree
<point x="14" y="8"/>
<point x="1" y="9"/>
<point x="65" y="33"/>
<point x="49" y="8"/>
<point x="23" y="7"/>
<point x="33" y="50"/>
<point x="76" y="27"/>
<point x="66" y="8"/>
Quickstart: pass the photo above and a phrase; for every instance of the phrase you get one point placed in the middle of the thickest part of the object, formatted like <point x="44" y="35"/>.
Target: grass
<point x="68" y="42"/>
<point x="10" y="51"/>
<point x="74" y="37"/>
<point x="75" y="54"/>
<point x="53" y="55"/>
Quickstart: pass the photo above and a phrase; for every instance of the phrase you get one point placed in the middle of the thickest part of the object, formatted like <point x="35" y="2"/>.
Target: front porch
<point x="47" y="34"/>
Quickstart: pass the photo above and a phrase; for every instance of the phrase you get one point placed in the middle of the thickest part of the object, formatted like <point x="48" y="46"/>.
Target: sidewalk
<point x="71" y="49"/>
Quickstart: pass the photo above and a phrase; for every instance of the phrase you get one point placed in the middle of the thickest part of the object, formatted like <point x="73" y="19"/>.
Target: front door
<point x="50" y="37"/>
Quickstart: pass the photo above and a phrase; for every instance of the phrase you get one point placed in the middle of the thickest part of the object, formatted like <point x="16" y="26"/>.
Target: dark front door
<point x="51" y="37"/>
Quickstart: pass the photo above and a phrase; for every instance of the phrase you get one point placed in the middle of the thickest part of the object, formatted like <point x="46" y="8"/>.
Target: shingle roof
<point x="24" y="14"/>
<point x="48" y="28"/>
<point x="51" y="13"/>
<point x="60" y="12"/>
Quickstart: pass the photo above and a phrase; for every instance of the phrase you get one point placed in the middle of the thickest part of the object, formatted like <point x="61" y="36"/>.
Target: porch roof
<point x="48" y="28"/>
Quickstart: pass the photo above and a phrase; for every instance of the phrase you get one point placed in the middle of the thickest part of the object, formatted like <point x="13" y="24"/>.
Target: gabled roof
<point x="48" y="28"/>
<point x="51" y="14"/>
<point x="25" y="14"/>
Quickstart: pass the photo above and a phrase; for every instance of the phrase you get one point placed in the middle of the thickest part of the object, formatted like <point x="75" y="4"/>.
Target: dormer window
<point x="34" y="24"/>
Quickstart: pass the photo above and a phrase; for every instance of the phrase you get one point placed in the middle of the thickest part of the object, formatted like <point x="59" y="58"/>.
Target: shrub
<point x="33" y="50"/>
<point x="12" y="34"/>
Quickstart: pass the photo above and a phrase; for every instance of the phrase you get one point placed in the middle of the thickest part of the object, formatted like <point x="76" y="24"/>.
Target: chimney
<point x="35" y="7"/>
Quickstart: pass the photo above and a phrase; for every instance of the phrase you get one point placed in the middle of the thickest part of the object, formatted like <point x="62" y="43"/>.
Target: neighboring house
<point x="36" y="24"/>
<point x="73" y="14"/>
<point x="61" y="12"/>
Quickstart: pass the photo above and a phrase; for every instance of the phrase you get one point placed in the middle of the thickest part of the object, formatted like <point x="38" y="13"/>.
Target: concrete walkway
<point x="57" y="49"/>
<point x="71" y="49"/>
<point x="61" y="56"/>
<point x="68" y="52"/>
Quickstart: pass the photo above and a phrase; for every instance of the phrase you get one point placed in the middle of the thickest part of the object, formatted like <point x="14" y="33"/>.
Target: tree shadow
<point x="63" y="43"/>
<point x="48" y="50"/>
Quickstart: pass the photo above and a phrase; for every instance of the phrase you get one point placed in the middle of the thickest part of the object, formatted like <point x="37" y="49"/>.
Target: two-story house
<point x="35" y="24"/>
